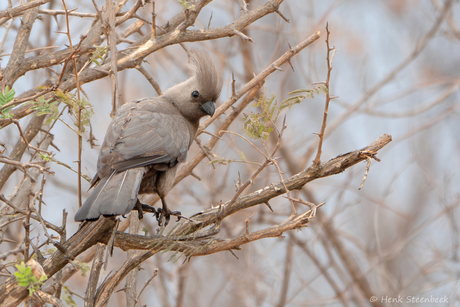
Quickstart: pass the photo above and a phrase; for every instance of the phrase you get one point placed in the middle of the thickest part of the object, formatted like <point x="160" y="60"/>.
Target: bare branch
<point x="18" y="10"/>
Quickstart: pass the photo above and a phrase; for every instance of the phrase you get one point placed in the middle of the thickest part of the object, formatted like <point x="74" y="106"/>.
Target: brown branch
<point x="25" y="138"/>
<point x="155" y="273"/>
<point x="191" y="246"/>
<point x="11" y="294"/>
<point x="131" y="279"/>
<point x="17" y="101"/>
<point x="390" y="76"/>
<point x="30" y="132"/>
<point x="79" y="134"/>
<point x="23" y="165"/>
<point x="249" y="87"/>
<point x="106" y="289"/>
<point x="329" y="59"/>
<point x="94" y="276"/>
<point x="20" y="45"/>
<point x="214" y="215"/>
<point x="149" y="78"/>
<point x="323" y="270"/>
<point x="128" y="15"/>
<point x="331" y="167"/>
<point x="287" y="272"/>
<point x="135" y="58"/>
<point x="18" y="10"/>
<point x="112" y="38"/>
<point x="153" y="31"/>
<point x="259" y="78"/>
<point x="46" y="298"/>
<point x="24" y="212"/>
<point x="63" y="12"/>
<point x="93" y="232"/>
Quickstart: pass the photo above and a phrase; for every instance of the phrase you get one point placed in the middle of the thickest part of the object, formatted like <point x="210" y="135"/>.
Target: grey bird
<point x="146" y="142"/>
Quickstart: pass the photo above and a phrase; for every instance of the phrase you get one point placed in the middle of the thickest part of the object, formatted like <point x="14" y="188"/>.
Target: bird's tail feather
<point x="114" y="195"/>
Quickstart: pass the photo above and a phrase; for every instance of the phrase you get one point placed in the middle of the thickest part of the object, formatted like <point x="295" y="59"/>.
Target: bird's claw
<point x="140" y="207"/>
<point x="166" y="215"/>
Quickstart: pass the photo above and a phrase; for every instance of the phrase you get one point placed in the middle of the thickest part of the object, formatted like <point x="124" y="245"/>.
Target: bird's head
<point x="196" y="97"/>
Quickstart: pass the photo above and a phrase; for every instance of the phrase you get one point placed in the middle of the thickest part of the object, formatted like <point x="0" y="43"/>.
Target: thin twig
<point x="79" y="134"/>
<point x="329" y="59"/>
<point x="149" y="78"/>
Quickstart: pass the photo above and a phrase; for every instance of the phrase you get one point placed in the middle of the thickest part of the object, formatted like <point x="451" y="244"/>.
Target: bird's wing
<point x="150" y="131"/>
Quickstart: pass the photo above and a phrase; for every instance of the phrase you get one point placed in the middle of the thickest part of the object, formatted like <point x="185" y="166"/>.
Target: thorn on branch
<point x="282" y="16"/>
<point x="244" y="7"/>
<point x="195" y="176"/>
<point x="209" y="22"/>
<point x="205" y="151"/>
<point x="238" y="183"/>
<point x="247" y="227"/>
<point x="369" y="157"/>
<point x="290" y="64"/>
<point x="268" y="205"/>
<point x="153" y="35"/>
<point x="242" y="35"/>
<point x="233" y="85"/>
<point x="233" y="254"/>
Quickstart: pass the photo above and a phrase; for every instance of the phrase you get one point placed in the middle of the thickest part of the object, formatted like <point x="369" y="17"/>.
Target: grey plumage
<point x="147" y="140"/>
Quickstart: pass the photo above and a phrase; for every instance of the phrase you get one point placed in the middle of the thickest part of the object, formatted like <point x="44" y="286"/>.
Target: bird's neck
<point x="192" y="128"/>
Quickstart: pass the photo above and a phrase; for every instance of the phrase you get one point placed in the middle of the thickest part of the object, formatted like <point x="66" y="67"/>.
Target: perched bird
<point x="146" y="142"/>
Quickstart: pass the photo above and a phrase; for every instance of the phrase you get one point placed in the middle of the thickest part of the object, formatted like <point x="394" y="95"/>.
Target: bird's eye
<point x="195" y="94"/>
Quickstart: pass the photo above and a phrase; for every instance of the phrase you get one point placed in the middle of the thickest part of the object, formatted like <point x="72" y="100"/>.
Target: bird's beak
<point x="208" y="108"/>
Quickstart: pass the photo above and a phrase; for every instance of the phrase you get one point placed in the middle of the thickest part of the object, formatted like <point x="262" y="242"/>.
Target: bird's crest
<point x="204" y="70"/>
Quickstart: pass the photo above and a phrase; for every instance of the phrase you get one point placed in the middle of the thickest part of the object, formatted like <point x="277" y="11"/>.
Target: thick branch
<point x="215" y="215"/>
<point x="93" y="232"/>
<point x="11" y="294"/>
<point x="18" y="10"/>
<point x="135" y="58"/>
<point x="331" y="167"/>
<point x="20" y="46"/>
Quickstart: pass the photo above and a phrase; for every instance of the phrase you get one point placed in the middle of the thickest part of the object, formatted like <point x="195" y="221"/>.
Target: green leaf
<point x="67" y="297"/>
<point x="26" y="279"/>
<point x="7" y="97"/>
<point x="187" y="5"/>
<point x="98" y="55"/>
<point x="44" y="156"/>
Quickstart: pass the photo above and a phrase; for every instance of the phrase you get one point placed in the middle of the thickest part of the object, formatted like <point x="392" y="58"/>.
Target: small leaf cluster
<point x="46" y="157"/>
<point x="28" y="280"/>
<point x="225" y="161"/>
<point x="187" y="5"/>
<point x="221" y="160"/>
<point x="259" y="126"/>
<point x="74" y="106"/>
<point x="99" y="54"/>
<point x="67" y="297"/>
<point x="83" y="266"/>
<point x="5" y="98"/>
<point x="46" y="106"/>
<point x="301" y="94"/>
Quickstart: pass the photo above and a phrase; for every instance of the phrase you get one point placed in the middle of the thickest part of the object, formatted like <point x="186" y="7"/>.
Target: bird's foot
<point x="140" y="207"/>
<point x="162" y="214"/>
<point x="147" y="208"/>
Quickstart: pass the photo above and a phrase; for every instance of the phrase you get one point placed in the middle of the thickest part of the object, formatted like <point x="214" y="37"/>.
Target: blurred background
<point x="395" y="70"/>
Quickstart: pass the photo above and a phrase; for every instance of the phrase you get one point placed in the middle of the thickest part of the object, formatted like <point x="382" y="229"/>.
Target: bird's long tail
<point x="114" y="195"/>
